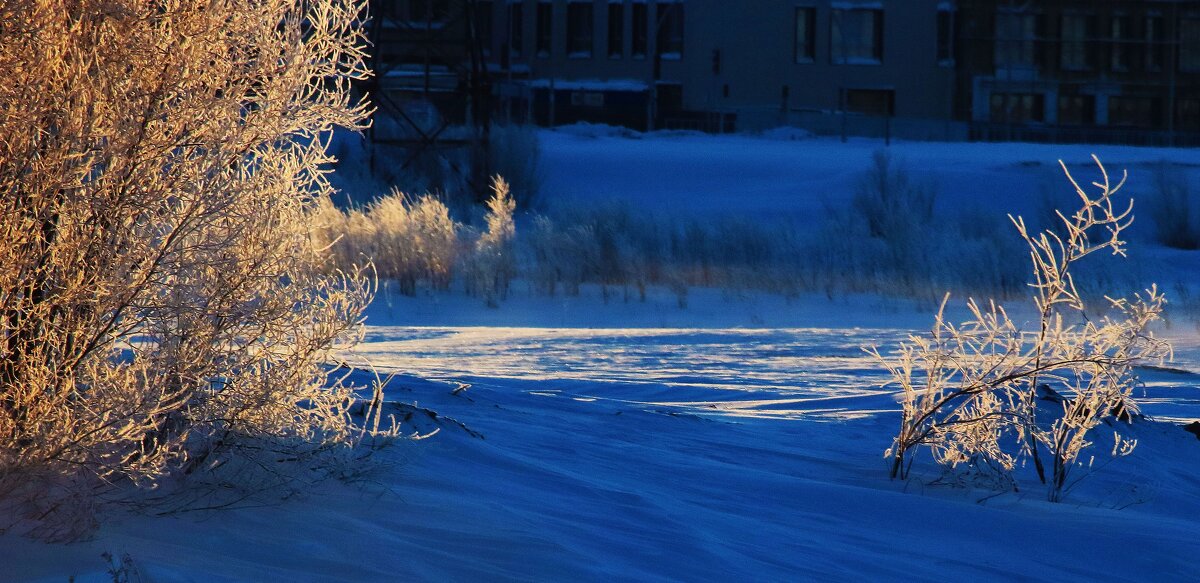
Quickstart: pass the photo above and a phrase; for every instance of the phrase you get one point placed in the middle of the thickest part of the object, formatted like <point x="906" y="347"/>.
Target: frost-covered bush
<point x="407" y="240"/>
<point x="889" y="240"/>
<point x="559" y="256"/>
<point x="162" y="305"/>
<point x="972" y="393"/>
<point x="492" y="263"/>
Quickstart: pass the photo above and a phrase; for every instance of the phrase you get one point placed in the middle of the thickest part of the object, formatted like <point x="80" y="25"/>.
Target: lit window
<point x="857" y="36"/>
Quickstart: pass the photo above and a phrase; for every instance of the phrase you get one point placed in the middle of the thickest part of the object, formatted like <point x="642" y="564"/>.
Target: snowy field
<point x="740" y="438"/>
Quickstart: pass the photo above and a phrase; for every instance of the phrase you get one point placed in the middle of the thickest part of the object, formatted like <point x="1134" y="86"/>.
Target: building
<point x="1069" y="70"/>
<point x="716" y="64"/>
<point x="1080" y="70"/>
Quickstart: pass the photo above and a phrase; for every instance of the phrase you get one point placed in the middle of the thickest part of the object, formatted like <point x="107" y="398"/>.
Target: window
<point x="579" y="30"/>
<point x="545" y="26"/>
<point x="1018" y="107"/>
<point x="616" y="30"/>
<point x="1015" y="34"/>
<point x="516" y="30"/>
<point x="1075" y="33"/>
<point x="871" y="101"/>
<point x="641" y="27"/>
<point x="1136" y="112"/>
<point x="670" y="30"/>
<point x="804" y="50"/>
<point x="428" y="10"/>
<point x="945" y="36"/>
<point x="1189" y="44"/>
<point x="857" y="36"/>
<point x="483" y="25"/>
<point x="1187" y="116"/>
<point x="1122" y="29"/>
<point x="1076" y="110"/>
<point x="1154" y="43"/>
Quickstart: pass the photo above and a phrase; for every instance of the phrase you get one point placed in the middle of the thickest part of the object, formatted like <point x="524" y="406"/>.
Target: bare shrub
<point x="971" y="390"/>
<point x="559" y="256"/>
<point x="161" y="298"/>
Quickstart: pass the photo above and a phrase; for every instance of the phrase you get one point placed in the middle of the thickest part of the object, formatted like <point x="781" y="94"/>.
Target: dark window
<point x="871" y="101"/>
<point x="1076" y="31"/>
<point x="670" y="30"/>
<point x="1015" y="35"/>
<point x="1154" y="43"/>
<point x="616" y="30"/>
<point x="579" y="29"/>
<point x="806" y="37"/>
<point x="1076" y="110"/>
<point x="945" y="37"/>
<point x="1189" y="44"/>
<point x="1136" y="112"/>
<point x="545" y="28"/>
<point x="516" y="30"/>
<point x="1122" y="33"/>
<point x="483" y="25"/>
<point x="1187" y="117"/>
<point x="641" y="27"/>
<point x="1018" y="107"/>
<point x="857" y="36"/>
<point x="428" y="10"/>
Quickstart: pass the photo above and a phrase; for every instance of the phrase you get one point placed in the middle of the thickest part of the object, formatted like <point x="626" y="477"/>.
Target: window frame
<point x="837" y="45"/>
<point x="809" y="43"/>
<point x="581" y="28"/>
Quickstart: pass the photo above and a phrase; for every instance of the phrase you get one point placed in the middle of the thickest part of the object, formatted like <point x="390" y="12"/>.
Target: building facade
<point x="1080" y="70"/>
<point x="1070" y="70"/>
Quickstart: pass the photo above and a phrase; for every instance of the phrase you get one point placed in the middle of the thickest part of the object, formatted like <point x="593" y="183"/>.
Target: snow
<point x="740" y="438"/>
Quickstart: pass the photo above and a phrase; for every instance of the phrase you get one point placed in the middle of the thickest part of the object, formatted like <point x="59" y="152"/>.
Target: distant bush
<point x="407" y="240"/>
<point x="890" y="240"/>
<point x="492" y="262"/>
<point x="1174" y="206"/>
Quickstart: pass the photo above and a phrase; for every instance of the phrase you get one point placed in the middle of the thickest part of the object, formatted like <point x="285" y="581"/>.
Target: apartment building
<point x="1069" y="70"/>
<point x="681" y="63"/>
<point x="1080" y="70"/>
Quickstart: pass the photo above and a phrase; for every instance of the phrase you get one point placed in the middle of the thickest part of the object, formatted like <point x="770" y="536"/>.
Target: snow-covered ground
<point x="740" y="438"/>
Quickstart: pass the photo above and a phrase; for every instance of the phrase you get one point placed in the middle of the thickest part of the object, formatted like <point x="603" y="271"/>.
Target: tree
<point x="161" y="300"/>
